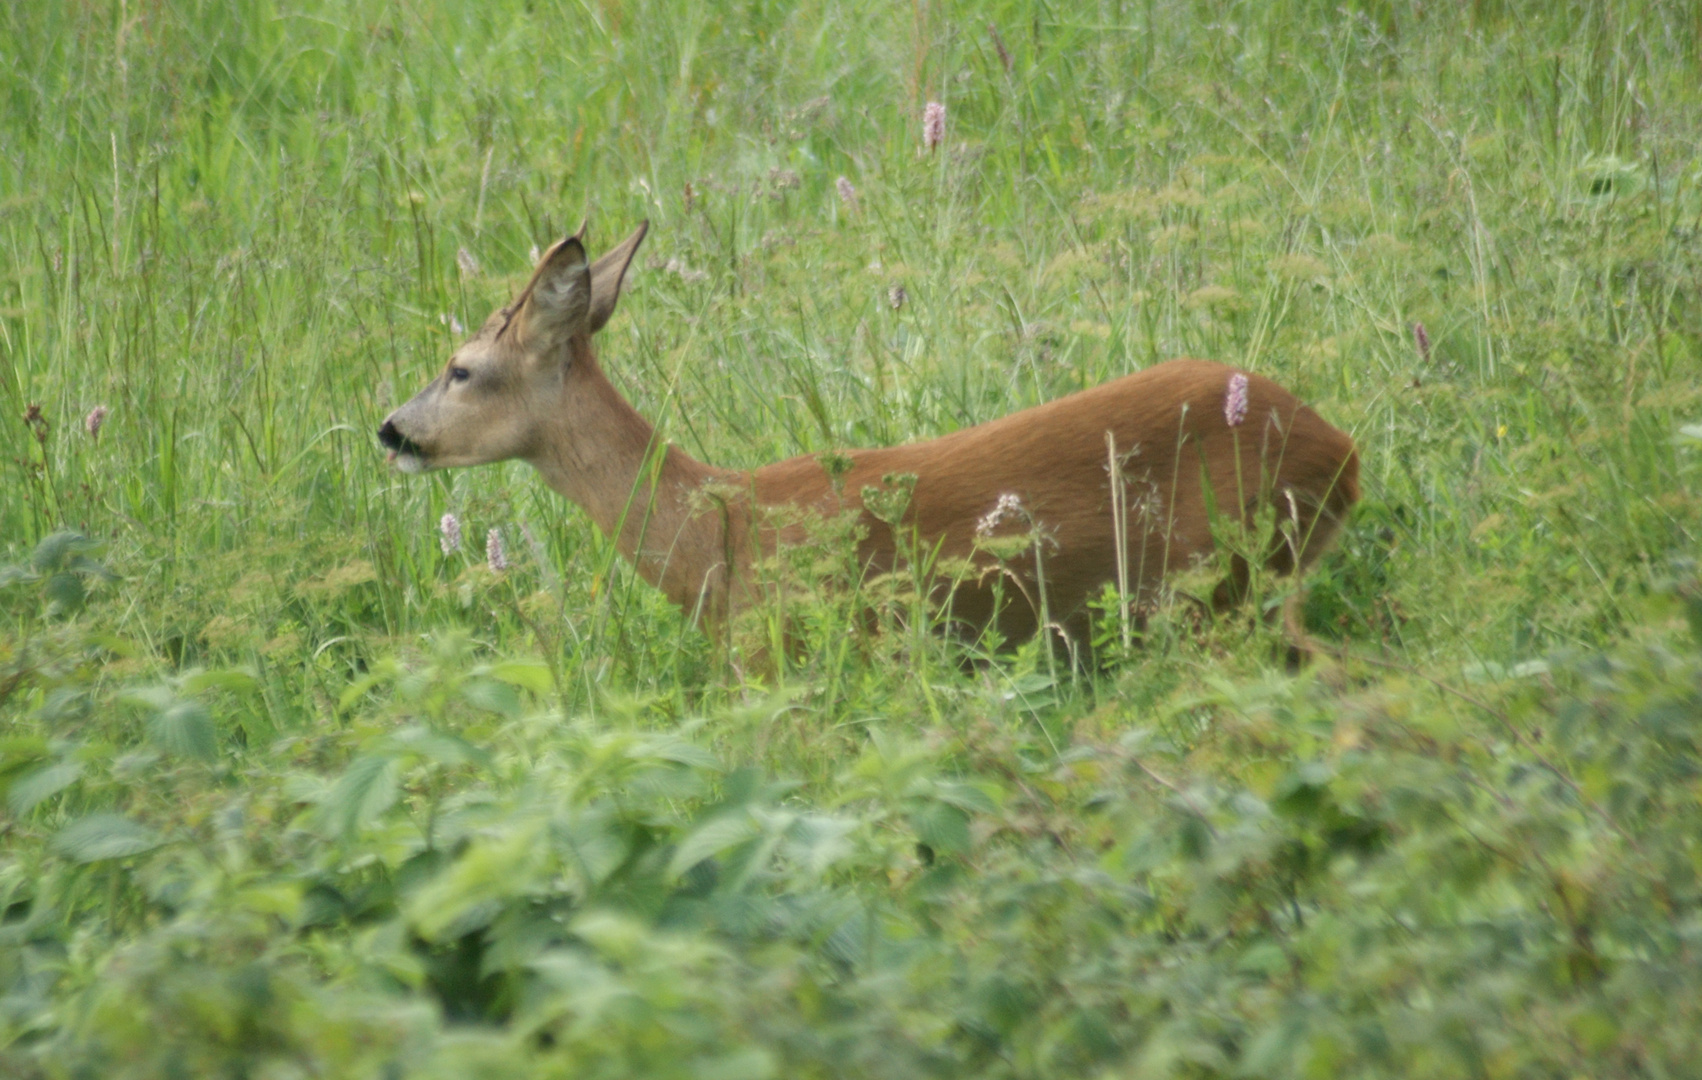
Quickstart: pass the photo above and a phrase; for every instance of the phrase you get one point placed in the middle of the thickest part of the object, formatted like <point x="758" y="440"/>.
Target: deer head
<point x="506" y="386"/>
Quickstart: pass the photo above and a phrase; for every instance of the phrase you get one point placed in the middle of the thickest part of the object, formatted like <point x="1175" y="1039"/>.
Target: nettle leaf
<point x="533" y="675"/>
<point x="447" y="750"/>
<point x="817" y="841"/>
<point x="82" y="564"/>
<point x="104" y="836"/>
<point x="472" y="889"/>
<point x="305" y="788"/>
<point x="941" y="826"/>
<point x="65" y="592"/>
<point x="681" y="752"/>
<point x="53" y="551"/>
<point x="366" y="790"/>
<point x="20" y="752"/>
<point x="491" y="696"/>
<point x="711" y="838"/>
<point x="186" y="729"/>
<point x="357" y="690"/>
<point x="235" y="680"/>
<point x="32" y="790"/>
<point x="592" y="844"/>
<point x="968" y="797"/>
<point x="149" y="697"/>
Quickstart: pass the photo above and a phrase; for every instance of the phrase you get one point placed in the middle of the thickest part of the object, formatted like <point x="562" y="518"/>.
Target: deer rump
<point x="1182" y="474"/>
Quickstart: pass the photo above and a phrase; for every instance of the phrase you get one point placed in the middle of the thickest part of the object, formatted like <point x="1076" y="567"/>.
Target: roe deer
<point x="1123" y="481"/>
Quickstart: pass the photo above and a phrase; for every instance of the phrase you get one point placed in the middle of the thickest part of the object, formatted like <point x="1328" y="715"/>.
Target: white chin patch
<point x="410" y="463"/>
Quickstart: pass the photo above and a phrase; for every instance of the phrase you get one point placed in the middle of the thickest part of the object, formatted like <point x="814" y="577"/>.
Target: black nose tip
<point x="390" y="437"/>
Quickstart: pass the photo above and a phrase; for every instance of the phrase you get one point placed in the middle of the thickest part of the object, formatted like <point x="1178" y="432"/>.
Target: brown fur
<point x="535" y="391"/>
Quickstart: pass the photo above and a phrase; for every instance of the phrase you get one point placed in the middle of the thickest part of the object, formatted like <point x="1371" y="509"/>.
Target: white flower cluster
<point x="1009" y="506"/>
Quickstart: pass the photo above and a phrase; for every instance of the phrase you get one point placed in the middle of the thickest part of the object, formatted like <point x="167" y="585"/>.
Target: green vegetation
<point x="290" y="792"/>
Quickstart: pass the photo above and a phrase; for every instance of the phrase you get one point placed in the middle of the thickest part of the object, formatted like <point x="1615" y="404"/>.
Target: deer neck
<point x="646" y="495"/>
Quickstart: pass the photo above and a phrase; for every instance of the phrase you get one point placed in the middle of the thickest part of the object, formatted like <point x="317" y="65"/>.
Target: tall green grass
<point x="250" y="229"/>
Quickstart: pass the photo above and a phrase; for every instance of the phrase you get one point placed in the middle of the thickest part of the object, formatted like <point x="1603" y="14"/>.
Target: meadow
<point x="294" y="787"/>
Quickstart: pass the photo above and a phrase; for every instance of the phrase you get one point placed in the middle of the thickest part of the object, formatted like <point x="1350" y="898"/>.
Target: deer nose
<point x="390" y="437"/>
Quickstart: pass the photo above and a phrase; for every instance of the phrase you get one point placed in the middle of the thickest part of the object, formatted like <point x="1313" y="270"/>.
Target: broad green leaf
<point x="711" y="838"/>
<point x="489" y="871"/>
<point x="305" y="787"/>
<point x="357" y="690"/>
<point x="681" y="752"/>
<point x="592" y="845"/>
<point x="52" y="552"/>
<point x="533" y="675"/>
<point x="363" y="793"/>
<point x="436" y="746"/>
<point x="82" y="564"/>
<point x="235" y="680"/>
<point x="104" y="836"/>
<point x="20" y="750"/>
<point x="967" y="797"/>
<point x="746" y="1063"/>
<point x="185" y="728"/>
<point x="116" y="645"/>
<point x="941" y="826"/>
<point x="492" y="696"/>
<point x="818" y="841"/>
<point x="30" y="791"/>
<point x="283" y="900"/>
<point x="65" y="592"/>
<point x="158" y="698"/>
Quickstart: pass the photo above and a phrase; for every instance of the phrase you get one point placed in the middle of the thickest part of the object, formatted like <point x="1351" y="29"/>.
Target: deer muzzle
<point x="405" y="453"/>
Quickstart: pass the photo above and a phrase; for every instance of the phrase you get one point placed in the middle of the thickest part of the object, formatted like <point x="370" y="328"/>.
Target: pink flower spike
<point x="933" y="125"/>
<point x="493" y="551"/>
<point x="1235" y="400"/>
<point x="1422" y="340"/>
<point x="93" y="421"/>
<point x="847" y="193"/>
<point x="450" y="529"/>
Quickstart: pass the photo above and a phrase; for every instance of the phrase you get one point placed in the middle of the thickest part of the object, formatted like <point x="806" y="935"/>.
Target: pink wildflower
<point x="93" y="421"/>
<point x="847" y="193"/>
<point x="493" y="551"/>
<point x="933" y="125"/>
<point x="1422" y="340"/>
<point x="450" y="529"/>
<point x="1235" y="400"/>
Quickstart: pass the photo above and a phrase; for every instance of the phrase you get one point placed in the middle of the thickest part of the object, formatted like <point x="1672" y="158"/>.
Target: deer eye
<point x="459" y="374"/>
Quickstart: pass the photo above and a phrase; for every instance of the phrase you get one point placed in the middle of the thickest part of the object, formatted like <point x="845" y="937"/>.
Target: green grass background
<point x="249" y="229"/>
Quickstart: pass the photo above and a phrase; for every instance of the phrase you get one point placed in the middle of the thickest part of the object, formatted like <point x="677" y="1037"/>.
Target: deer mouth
<point x="406" y="454"/>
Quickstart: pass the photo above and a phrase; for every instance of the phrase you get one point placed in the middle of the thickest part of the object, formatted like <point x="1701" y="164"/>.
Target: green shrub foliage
<point x="296" y="784"/>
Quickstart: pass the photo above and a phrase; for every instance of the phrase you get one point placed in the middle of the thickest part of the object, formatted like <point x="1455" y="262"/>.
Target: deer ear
<point x="607" y="274"/>
<point x="558" y="299"/>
